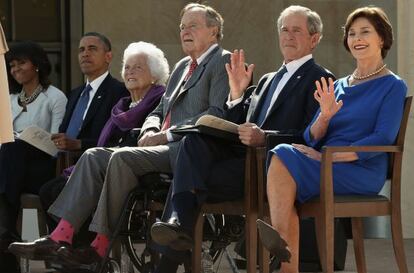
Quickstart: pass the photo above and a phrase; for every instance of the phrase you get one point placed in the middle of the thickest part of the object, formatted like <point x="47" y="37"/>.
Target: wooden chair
<point x="247" y="207"/>
<point x="328" y="206"/>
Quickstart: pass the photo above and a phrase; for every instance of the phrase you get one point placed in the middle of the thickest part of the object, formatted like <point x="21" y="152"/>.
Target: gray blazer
<point x="46" y="111"/>
<point x="204" y="93"/>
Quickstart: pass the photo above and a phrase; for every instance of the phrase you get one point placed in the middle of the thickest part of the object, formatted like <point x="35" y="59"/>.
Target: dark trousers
<point x="23" y="169"/>
<point x="211" y="167"/>
<point x="48" y="194"/>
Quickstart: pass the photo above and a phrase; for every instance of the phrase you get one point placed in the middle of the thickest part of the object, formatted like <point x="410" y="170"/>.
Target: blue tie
<point x="266" y="104"/>
<point x="75" y="123"/>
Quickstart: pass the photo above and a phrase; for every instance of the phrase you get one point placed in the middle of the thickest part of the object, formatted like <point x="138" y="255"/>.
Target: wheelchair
<point x="131" y="251"/>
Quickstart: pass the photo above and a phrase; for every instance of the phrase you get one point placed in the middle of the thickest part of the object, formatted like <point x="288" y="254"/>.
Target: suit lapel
<point x="257" y="100"/>
<point x="195" y="77"/>
<point x="96" y="101"/>
<point x="290" y="85"/>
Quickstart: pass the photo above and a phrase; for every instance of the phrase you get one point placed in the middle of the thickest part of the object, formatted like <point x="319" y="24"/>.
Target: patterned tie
<point x="167" y="119"/>
<point x="75" y="123"/>
<point x="266" y="104"/>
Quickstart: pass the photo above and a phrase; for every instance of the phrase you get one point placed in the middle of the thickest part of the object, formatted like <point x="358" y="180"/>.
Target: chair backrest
<point x="404" y="122"/>
<point x="395" y="164"/>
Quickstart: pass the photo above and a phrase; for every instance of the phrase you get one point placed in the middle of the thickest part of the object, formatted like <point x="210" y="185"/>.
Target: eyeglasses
<point x="190" y="27"/>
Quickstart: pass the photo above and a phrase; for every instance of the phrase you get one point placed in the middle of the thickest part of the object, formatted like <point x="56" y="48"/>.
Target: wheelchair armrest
<point x="134" y="133"/>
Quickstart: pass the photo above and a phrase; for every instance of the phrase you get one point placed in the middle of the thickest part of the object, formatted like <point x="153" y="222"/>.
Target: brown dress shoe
<point x="41" y="249"/>
<point x="79" y="258"/>
<point x="171" y="234"/>
<point x="272" y="241"/>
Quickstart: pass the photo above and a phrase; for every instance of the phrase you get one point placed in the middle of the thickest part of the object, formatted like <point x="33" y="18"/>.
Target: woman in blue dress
<point x="364" y="108"/>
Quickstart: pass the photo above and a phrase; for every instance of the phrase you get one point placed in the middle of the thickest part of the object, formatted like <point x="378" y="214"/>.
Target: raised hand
<point x="239" y="75"/>
<point x="325" y="95"/>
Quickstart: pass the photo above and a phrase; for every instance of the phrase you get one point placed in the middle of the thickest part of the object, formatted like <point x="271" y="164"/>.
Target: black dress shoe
<point x="171" y="234"/>
<point x="7" y="238"/>
<point x="40" y="249"/>
<point x="272" y="241"/>
<point x="85" y="258"/>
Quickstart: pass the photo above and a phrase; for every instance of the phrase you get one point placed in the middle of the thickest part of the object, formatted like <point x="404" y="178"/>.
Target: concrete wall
<point x="251" y="25"/>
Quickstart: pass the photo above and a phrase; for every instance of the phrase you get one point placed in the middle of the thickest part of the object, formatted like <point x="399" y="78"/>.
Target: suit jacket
<point x="107" y="95"/>
<point x="294" y="107"/>
<point x="204" y="93"/>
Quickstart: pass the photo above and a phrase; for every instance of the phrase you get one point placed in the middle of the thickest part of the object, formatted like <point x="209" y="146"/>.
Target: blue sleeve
<point x="307" y="134"/>
<point x="388" y="121"/>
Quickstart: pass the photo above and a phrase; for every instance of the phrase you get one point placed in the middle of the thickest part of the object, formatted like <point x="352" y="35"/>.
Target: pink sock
<point x="100" y="244"/>
<point x="63" y="232"/>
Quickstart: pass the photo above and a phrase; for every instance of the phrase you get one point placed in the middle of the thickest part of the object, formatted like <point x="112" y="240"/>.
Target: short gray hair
<point x="213" y="17"/>
<point x="156" y="60"/>
<point x="315" y="24"/>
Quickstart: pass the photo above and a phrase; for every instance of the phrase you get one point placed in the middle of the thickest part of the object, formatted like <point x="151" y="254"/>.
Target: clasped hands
<point x="63" y="142"/>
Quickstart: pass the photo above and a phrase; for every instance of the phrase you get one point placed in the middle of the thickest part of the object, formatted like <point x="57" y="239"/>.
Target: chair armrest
<point x="66" y="159"/>
<point x="326" y="185"/>
<point x="385" y="149"/>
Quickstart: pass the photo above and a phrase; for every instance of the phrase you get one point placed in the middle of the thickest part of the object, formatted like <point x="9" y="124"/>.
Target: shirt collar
<point x="204" y="55"/>
<point x="98" y="81"/>
<point x="295" y="64"/>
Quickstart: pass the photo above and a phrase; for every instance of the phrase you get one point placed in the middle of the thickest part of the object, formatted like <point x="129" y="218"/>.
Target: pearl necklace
<point x="134" y="103"/>
<point x="368" y="75"/>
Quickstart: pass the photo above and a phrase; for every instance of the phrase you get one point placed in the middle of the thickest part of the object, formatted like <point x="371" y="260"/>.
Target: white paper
<point x="40" y="139"/>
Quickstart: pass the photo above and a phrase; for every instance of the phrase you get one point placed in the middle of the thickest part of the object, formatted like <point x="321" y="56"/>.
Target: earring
<point x="37" y="69"/>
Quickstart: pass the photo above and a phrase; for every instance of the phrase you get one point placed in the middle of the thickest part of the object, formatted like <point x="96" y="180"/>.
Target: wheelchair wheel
<point x="134" y="241"/>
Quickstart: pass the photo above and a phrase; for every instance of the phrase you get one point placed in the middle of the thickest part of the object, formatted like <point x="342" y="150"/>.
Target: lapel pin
<point x="298" y="77"/>
<point x="99" y="97"/>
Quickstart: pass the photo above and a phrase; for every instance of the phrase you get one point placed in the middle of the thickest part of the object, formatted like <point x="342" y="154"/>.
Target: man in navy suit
<point x="210" y="169"/>
<point x="94" y="56"/>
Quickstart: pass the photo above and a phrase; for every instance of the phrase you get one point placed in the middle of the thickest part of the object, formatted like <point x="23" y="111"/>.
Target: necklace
<point x="26" y="100"/>
<point x="368" y="75"/>
<point x="134" y="103"/>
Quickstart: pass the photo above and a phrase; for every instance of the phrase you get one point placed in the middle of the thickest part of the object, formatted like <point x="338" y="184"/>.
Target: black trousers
<point x="23" y="168"/>
<point x="212" y="167"/>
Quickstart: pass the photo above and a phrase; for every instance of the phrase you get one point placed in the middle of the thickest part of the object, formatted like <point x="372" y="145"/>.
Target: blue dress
<point x="370" y="115"/>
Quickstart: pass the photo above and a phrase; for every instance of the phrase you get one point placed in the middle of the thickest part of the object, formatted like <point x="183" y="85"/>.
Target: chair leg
<point x="398" y="242"/>
<point x="325" y="241"/>
<point x="41" y="222"/>
<point x="198" y="240"/>
<point x="357" y="235"/>
<point x="251" y="242"/>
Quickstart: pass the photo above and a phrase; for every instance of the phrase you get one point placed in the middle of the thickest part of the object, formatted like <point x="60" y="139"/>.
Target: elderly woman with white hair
<point x="145" y="71"/>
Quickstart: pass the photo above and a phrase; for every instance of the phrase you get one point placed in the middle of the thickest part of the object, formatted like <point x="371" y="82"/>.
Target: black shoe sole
<point x="272" y="241"/>
<point x="166" y="236"/>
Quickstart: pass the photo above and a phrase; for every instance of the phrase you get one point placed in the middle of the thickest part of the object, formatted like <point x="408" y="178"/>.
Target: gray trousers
<point x="102" y="180"/>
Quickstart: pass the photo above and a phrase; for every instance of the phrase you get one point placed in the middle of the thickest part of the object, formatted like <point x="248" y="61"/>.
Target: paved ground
<point x="380" y="258"/>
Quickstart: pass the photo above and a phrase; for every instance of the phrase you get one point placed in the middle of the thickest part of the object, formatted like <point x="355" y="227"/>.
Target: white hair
<point x="313" y="19"/>
<point x="156" y="60"/>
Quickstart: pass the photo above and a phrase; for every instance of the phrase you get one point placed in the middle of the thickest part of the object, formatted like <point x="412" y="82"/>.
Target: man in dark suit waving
<point x="212" y="169"/>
